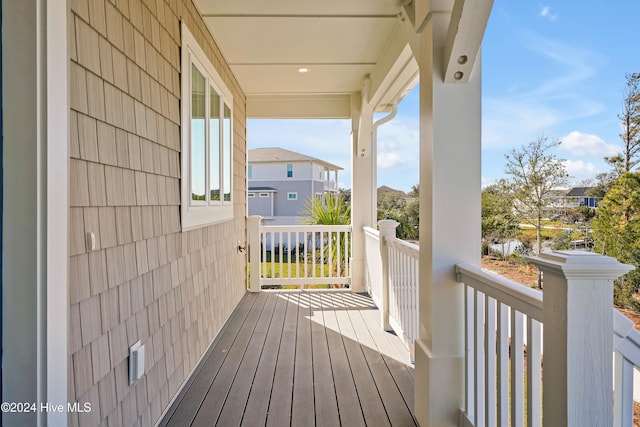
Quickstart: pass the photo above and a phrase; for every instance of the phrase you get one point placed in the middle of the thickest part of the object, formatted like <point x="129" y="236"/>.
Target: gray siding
<point x="260" y="205"/>
<point x="146" y="280"/>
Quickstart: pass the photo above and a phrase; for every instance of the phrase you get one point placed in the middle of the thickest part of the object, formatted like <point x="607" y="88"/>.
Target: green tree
<point x="499" y="222"/>
<point x="630" y="136"/>
<point x="393" y="205"/>
<point x="533" y="174"/>
<point x="616" y="230"/>
<point x="630" y="119"/>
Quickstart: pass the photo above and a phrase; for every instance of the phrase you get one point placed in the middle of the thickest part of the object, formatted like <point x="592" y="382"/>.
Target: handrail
<point x="491" y="324"/>
<point x="526" y="300"/>
<point x="403" y="246"/>
<point x="308" y="227"/>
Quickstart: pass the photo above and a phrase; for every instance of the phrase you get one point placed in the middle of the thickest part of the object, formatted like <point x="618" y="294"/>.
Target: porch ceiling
<point x="340" y="42"/>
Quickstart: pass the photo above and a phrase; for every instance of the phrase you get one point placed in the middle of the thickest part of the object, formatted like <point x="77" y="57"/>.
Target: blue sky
<point x="554" y="68"/>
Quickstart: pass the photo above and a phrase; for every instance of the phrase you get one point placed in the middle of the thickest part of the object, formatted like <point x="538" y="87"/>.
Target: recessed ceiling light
<point x="303" y="70"/>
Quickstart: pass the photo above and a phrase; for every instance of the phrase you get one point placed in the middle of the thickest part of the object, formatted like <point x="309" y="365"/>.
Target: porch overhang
<point x="305" y="60"/>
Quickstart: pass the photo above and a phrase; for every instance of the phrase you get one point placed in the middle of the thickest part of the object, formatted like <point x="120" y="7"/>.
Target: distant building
<point x="282" y="181"/>
<point x="577" y="196"/>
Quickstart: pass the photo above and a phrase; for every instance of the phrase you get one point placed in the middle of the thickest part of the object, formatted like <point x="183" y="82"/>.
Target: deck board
<point x="300" y="358"/>
<point x="197" y="391"/>
<point x="258" y="403"/>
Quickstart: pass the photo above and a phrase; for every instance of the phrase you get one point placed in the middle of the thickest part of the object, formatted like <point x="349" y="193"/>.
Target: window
<point x="289" y="170"/>
<point x="292" y="196"/>
<point x="206" y="140"/>
<point x="264" y="194"/>
<point x="250" y="171"/>
<point x="250" y="195"/>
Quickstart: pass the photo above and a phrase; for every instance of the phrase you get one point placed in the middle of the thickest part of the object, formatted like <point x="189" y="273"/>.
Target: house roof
<point x="265" y="189"/>
<point x="279" y="155"/>
<point x="578" y="191"/>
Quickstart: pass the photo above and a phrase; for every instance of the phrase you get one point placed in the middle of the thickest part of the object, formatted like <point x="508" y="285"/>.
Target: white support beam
<point x="365" y="122"/>
<point x="363" y="205"/>
<point x="300" y="106"/>
<point x="395" y="74"/>
<point x="450" y="184"/>
<point x="464" y="37"/>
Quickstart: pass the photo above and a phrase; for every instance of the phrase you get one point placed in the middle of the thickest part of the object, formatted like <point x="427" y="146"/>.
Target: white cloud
<point x="398" y="144"/>
<point x="390" y="160"/>
<point x="585" y="145"/>
<point x="545" y="12"/>
<point x="487" y="181"/>
<point x="580" y="170"/>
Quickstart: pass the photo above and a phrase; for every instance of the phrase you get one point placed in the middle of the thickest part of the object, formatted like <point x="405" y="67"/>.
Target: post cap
<point x="580" y="264"/>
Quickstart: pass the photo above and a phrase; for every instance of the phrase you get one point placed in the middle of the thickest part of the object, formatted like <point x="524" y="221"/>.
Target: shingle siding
<point x="145" y="280"/>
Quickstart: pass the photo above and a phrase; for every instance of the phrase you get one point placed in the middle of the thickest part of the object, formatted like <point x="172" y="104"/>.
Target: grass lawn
<point x="274" y="271"/>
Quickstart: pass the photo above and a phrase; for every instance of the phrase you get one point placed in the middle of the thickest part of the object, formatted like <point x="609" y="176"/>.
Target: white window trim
<point x="292" y="193"/>
<point x="199" y="215"/>
<point x="251" y="195"/>
<point x="264" y="195"/>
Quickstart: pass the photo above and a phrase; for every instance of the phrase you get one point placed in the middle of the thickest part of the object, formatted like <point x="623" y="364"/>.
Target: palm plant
<point x="329" y="210"/>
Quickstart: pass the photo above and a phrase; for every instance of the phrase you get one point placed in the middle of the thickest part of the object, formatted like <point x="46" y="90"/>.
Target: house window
<point x="289" y="170"/>
<point x="251" y="195"/>
<point x="292" y="196"/>
<point x="264" y="194"/>
<point x="250" y="171"/>
<point x="206" y="139"/>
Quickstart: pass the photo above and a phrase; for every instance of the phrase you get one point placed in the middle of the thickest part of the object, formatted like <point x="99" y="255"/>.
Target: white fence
<point x="403" y="289"/>
<point x="503" y="336"/>
<point x="391" y="275"/>
<point x="299" y="255"/>
<point x="373" y="265"/>
<point x="626" y="345"/>
<point x="498" y="314"/>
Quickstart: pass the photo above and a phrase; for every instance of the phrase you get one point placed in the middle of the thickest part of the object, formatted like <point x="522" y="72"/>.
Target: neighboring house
<point x="281" y="182"/>
<point x="577" y="196"/>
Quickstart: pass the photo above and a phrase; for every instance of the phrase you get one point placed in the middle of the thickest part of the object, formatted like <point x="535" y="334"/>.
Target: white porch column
<point x="578" y="339"/>
<point x="363" y="202"/>
<point x="450" y="186"/>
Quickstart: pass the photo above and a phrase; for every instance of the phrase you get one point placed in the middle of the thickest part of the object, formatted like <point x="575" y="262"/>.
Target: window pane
<point x="214" y="146"/>
<point x="198" y="158"/>
<point x="227" y="153"/>
<point x="289" y="170"/>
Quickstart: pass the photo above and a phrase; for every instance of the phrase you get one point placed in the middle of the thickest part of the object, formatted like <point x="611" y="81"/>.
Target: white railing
<point x="403" y="281"/>
<point x="299" y="255"/>
<point x="391" y="276"/>
<point x="503" y="322"/>
<point x="626" y="345"/>
<point x="373" y="265"/>
<point x="503" y="329"/>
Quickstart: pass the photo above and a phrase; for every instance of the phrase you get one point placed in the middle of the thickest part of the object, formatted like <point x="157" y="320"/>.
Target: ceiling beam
<point x="302" y="106"/>
<point x="466" y="29"/>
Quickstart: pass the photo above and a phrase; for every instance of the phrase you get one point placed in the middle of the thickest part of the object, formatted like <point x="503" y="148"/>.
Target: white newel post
<point x="254" y="253"/>
<point x="578" y="336"/>
<point x="387" y="228"/>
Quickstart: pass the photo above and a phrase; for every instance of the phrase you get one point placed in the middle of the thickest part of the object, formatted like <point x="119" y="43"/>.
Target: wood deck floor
<point x="314" y="358"/>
